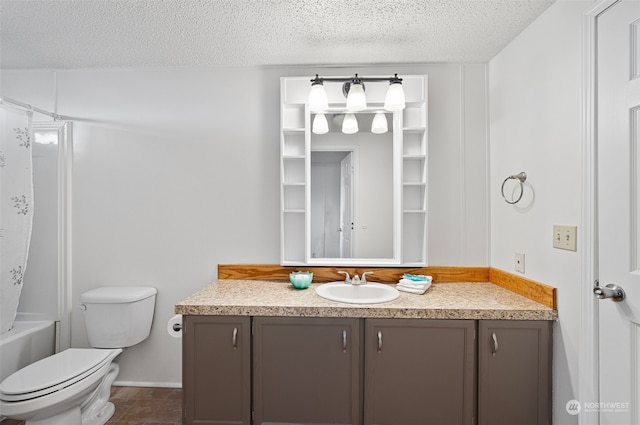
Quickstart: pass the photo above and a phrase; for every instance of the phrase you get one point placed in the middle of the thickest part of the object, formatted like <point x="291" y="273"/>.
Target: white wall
<point x="535" y="126"/>
<point x="176" y="171"/>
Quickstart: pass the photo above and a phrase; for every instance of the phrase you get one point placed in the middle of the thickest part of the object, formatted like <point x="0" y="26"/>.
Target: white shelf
<point x="414" y="196"/>
<point x="293" y="179"/>
<point x="414" y="116"/>
<point x="293" y="131"/>
<point x="414" y="241"/>
<point x="293" y="116"/>
<point x="414" y="130"/>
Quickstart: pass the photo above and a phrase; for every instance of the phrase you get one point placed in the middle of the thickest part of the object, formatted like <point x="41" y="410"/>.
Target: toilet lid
<point x="54" y="372"/>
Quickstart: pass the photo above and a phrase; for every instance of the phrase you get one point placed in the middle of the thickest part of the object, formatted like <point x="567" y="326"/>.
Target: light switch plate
<point x="564" y="237"/>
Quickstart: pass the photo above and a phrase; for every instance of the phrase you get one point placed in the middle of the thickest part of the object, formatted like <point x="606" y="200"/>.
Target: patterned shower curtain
<point x="16" y="207"/>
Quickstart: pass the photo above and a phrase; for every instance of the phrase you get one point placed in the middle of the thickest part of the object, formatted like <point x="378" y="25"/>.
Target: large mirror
<point x="353" y="198"/>
<point x="352" y="192"/>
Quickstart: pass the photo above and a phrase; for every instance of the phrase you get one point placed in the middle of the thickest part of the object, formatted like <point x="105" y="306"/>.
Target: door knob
<point x="612" y="291"/>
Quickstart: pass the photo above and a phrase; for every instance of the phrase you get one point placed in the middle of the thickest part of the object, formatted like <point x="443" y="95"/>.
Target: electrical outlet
<point x="564" y="237"/>
<point x="519" y="262"/>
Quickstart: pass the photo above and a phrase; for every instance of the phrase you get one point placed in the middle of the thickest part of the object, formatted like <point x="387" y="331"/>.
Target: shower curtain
<point x="16" y="207"/>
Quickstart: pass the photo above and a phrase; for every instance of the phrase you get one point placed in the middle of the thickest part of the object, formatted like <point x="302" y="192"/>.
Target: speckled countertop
<point x="464" y="300"/>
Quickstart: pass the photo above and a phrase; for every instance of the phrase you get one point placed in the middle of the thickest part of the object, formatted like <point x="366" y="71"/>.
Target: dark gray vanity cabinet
<point x="314" y="370"/>
<point x="216" y="374"/>
<point x="514" y="375"/>
<point x="307" y="370"/>
<point x="419" y="372"/>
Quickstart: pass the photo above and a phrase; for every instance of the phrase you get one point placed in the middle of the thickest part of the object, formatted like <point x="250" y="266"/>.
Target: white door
<point x="618" y="170"/>
<point x="346" y="206"/>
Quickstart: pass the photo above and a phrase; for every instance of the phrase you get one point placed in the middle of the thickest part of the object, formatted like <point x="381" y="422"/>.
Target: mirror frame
<point x="397" y="140"/>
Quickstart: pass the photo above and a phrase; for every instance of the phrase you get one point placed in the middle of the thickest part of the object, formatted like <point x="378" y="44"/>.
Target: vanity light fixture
<point x="379" y="123"/>
<point x="356" y="99"/>
<point x="320" y="124"/>
<point x="317" y="96"/>
<point x="394" y="99"/>
<point x="350" y="124"/>
<point x="353" y="89"/>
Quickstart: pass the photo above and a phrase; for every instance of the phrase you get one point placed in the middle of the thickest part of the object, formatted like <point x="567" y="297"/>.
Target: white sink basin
<point x="369" y="293"/>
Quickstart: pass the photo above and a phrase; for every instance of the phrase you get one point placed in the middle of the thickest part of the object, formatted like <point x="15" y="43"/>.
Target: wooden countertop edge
<point x="535" y="291"/>
<point x="531" y="289"/>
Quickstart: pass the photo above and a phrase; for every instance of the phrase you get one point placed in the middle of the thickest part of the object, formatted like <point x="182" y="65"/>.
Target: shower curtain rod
<point x="30" y="107"/>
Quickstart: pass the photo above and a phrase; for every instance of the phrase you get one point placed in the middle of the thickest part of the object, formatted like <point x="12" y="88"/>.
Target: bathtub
<point x="26" y="343"/>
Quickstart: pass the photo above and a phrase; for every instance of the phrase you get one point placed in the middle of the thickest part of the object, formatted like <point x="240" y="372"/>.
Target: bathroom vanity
<point x="261" y="352"/>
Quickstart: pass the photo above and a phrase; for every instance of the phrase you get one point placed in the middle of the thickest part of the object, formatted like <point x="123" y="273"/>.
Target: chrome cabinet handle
<point x="494" y="343"/>
<point x="379" y="341"/>
<point x="344" y="340"/>
<point x="611" y="290"/>
<point x="234" y="338"/>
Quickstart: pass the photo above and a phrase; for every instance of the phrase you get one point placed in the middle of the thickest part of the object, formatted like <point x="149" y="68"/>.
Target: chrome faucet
<point x="356" y="280"/>
<point x="347" y="278"/>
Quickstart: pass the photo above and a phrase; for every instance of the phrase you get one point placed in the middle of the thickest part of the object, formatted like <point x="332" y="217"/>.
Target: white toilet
<point x="73" y="386"/>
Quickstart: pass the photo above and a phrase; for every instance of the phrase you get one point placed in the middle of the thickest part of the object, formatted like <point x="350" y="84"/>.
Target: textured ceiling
<point x="230" y="33"/>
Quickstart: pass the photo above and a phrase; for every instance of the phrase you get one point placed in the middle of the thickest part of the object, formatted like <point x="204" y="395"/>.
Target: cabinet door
<point x="307" y="370"/>
<point x="419" y="372"/>
<point x="216" y="374"/>
<point x="514" y="378"/>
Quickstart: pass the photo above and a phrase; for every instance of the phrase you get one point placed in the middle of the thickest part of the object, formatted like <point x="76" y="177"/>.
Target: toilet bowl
<point x="73" y="387"/>
<point x="62" y="389"/>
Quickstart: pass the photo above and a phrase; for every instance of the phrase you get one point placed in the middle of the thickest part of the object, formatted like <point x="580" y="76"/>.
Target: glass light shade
<point x="394" y="100"/>
<point x="320" y="124"/>
<point x="379" y="124"/>
<point x="318" y="101"/>
<point x="356" y="99"/>
<point x="350" y="124"/>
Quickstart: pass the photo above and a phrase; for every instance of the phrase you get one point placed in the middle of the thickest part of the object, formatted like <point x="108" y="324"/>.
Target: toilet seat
<point x="54" y="373"/>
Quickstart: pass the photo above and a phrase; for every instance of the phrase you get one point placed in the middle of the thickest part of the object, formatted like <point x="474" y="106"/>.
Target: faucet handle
<point x="364" y="276"/>
<point x="347" y="278"/>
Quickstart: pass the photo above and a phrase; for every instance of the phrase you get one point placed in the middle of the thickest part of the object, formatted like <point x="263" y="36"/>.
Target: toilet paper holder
<point x="175" y="326"/>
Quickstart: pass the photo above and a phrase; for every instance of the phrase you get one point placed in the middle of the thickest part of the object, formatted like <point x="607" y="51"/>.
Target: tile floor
<point x="141" y="406"/>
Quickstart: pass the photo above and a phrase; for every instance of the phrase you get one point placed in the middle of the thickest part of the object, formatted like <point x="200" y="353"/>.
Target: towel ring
<point x="521" y="177"/>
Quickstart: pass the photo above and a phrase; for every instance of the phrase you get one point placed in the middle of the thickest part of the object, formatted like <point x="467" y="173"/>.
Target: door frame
<point x="355" y="154"/>
<point x="588" y="360"/>
<point x="351" y="155"/>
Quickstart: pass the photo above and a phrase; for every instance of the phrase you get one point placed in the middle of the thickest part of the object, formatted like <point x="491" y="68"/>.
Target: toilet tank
<point x="118" y="316"/>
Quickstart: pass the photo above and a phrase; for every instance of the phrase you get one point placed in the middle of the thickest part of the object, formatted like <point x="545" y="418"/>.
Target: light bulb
<point x="320" y="124"/>
<point x="350" y="124"/>
<point x="379" y="124"/>
<point x="394" y="100"/>
<point x="356" y="99"/>
<point x="318" y="101"/>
